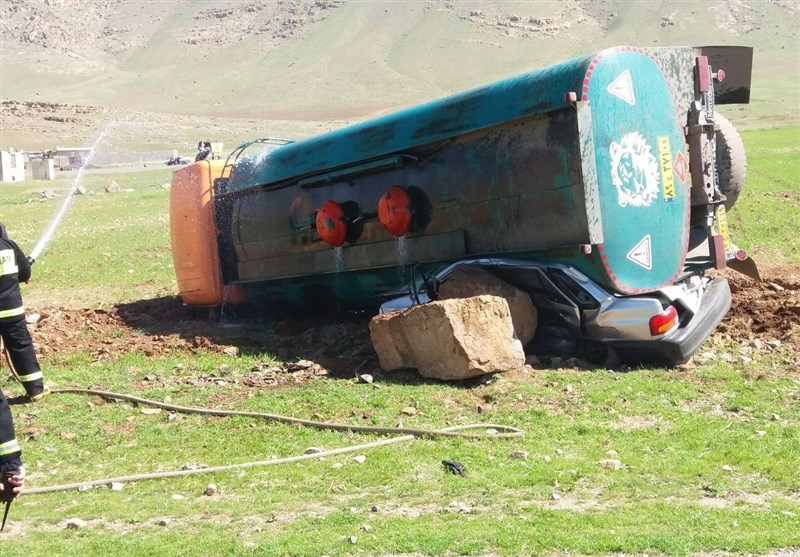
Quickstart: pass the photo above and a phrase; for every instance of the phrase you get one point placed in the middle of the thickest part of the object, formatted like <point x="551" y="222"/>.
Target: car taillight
<point x="664" y="321"/>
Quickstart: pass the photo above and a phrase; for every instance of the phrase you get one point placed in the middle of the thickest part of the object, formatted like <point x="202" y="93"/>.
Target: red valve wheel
<point x="395" y="211"/>
<point x="331" y="224"/>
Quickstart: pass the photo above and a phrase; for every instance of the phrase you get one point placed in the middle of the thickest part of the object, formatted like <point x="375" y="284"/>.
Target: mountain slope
<point x="331" y="59"/>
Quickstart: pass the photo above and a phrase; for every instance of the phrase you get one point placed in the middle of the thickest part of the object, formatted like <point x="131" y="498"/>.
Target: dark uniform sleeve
<point x="10" y="453"/>
<point x="23" y="264"/>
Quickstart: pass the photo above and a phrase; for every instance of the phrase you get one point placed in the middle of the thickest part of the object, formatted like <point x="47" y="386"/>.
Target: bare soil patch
<point x="767" y="311"/>
<point x="165" y="326"/>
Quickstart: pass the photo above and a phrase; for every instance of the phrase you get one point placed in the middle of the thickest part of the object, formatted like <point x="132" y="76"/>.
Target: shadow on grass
<point x="18" y="400"/>
<point x="338" y="342"/>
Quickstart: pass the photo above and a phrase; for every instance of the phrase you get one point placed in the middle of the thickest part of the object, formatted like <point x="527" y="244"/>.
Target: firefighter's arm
<point x="23" y="263"/>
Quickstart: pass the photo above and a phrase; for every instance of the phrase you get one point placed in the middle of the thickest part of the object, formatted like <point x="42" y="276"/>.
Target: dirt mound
<point x="738" y="17"/>
<point x="115" y="28"/>
<point x="40" y="117"/>
<point x="527" y="26"/>
<point x="764" y="316"/>
<point x="766" y="312"/>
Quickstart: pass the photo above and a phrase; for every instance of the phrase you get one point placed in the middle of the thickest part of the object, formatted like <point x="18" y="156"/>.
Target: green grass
<point x="709" y="454"/>
<point x="766" y="218"/>
<point x="674" y="433"/>
<point x="119" y="241"/>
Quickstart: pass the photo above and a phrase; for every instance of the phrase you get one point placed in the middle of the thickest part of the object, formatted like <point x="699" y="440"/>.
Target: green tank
<point x="606" y="162"/>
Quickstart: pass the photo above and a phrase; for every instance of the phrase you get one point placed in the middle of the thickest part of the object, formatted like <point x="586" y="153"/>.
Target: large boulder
<point x="469" y="280"/>
<point x="449" y="339"/>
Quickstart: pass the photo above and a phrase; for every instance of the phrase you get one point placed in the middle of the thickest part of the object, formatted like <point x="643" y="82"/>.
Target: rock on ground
<point x="469" y="280"/>
<point x="449" y="339"/>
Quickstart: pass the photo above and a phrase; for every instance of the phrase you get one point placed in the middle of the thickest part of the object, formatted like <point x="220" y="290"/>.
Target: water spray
<point x="48" y="234"/>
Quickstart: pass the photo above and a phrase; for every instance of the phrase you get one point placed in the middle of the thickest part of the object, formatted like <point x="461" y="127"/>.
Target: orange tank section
<point x="194" y="237"/>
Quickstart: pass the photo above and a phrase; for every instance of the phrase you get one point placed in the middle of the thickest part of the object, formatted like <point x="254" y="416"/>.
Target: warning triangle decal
<point x="681" y="168"/>
<point x="622" y="87"/>
<point x="641" y="254"/>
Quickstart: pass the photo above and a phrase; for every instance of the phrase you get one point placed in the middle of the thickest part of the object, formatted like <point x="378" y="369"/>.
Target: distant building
<point x="43" y="169"/>
<point x="68" y="158"/>
<point x="12" y="166"/>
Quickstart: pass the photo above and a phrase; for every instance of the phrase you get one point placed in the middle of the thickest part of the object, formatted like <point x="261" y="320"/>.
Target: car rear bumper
<point x="679" y="345"/>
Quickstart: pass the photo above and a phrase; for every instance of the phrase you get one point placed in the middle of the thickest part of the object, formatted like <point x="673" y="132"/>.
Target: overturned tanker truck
<point x="598" y="185"/>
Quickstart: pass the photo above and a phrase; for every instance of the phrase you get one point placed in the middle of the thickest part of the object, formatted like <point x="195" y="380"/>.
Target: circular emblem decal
<point x="634" y="171"/>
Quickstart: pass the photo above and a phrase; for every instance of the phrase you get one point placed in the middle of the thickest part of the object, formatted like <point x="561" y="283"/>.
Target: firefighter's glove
<point x="8" y="490"/>
<point x="13" y="478"/>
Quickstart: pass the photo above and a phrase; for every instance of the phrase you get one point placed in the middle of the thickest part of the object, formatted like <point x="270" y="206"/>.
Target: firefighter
<point x="16" y="268"/>
<point x="203" y="151"/>
<point x="11" y="470"/>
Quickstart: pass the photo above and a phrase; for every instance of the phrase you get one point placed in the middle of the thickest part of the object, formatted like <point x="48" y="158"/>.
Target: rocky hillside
<point x="71" y="65"/>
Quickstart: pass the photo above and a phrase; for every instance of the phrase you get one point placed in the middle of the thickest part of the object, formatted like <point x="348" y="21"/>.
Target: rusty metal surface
<point x="594" y="212"/>
<point x="512" y="187"/>
<point x="678" y="64"/>
<point x="425" y="249"/>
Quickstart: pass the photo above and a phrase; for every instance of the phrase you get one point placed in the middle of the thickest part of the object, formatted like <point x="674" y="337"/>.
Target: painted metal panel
<point x="638" y="136"/>
<point x="524" y="95"/>
<point x="194" y="245"/>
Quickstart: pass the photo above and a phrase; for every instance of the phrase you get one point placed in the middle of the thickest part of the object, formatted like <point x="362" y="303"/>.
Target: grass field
<point x="699" y="460"/>
<point x="117" y="243"/>
<point x="769" y="209"/>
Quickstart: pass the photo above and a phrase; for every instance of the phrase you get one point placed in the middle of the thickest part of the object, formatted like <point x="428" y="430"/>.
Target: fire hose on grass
<point x="491" y="431"/>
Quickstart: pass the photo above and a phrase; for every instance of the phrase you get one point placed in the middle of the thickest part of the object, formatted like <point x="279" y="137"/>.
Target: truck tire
<point x="731" y="160"/>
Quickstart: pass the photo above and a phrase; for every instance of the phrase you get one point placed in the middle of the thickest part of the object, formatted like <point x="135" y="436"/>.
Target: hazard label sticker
<point x="665" y="159"/>
<point x="641" y="254"/>
<point x="722" y="229"/>
<point x="622" y="88"/>
<point x="681" y="168"/>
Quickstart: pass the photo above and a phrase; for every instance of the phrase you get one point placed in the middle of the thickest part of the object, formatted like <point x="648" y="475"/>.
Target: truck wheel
<point x="731" y="160"/>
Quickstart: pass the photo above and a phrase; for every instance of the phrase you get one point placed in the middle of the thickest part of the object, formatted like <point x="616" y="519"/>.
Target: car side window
<point x="578" y="295"/>
<point x="534" y="282"/>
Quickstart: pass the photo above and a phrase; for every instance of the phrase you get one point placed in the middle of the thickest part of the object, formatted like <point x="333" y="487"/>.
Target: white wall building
<point x="12" y="166"/>
<point x="43" y="169"/>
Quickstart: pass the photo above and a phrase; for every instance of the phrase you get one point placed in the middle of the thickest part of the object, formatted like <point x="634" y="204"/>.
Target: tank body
<point x="584" y="162"/>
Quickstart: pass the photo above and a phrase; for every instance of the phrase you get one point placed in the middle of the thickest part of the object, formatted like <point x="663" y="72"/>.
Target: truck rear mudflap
<point x="681" y="343"/>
